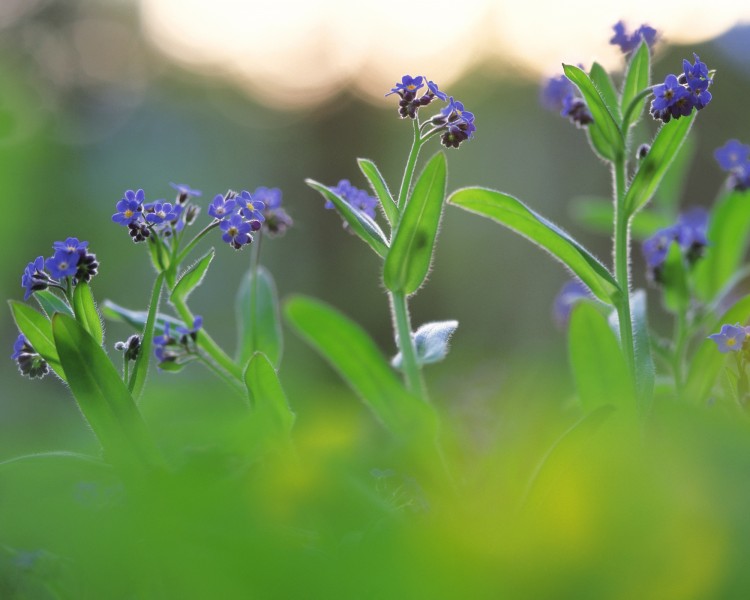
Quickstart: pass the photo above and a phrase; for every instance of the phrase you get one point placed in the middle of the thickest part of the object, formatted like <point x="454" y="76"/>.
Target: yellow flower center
<point x="128" y="213"/>
<point x="731" y="342"/>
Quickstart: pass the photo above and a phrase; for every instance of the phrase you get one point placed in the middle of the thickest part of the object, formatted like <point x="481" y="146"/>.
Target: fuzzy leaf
<point x="637" y="79"/>
<point x="86" y="312"/>
<point x="38" y="331"/>
<point x="191" y="278"/>
<point x="379" y="186"/>
<point x="270" y="410"/>
<point x="52" y="303"/>
<point x="603" y="83"/>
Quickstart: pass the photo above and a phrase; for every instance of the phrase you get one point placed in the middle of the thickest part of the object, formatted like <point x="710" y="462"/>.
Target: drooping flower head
<point x="131" y="347"/>
<point x="561" y="95"/>
<point x="734" y="157"/>
<point x="34" y="278"/>
<point x="277" y="221"/>
<point x="730" y="339"/>
<point x="630" y="41"/>
<point x="179" y="347"/>
<point x="30" y="363"/>
<point x="690" y="234"/>
<point x="678" y="96"/>
<point x="184" y="192"/>
<point x="355" y="197"/>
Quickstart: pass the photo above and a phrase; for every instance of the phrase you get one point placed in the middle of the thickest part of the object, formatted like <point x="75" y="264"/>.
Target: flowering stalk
<point x="622" y="263"/>
<point x="402" y="322"/>
<point x="410" y="164"/>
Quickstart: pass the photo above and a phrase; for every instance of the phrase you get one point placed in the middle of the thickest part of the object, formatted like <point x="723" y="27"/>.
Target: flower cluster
<point x="678" y="96"/>
<point x="71" y="261"/>
<point x="277" y="221"/>
<point x="30" y="363"/>
<point x="144" y="218"/>
<point x="734" y="157"/>
<point x="561" y="95"/>
<point x="731" y="338"/>
<point x="689" y="232"/>
<point x="454" y="122"/>
<point x="629" y="42"/>
<point x="131" y="347"/>
<point x="356" y="198"/>
<point x="178" y="347"/>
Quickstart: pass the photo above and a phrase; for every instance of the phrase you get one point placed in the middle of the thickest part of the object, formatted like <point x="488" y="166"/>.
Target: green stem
<point x="223" y="375"/>
<point x="410" y="163"/>
<point x="191" y="244"/>
<point x="140" y="368"/>
<point x="635" y="103"/>
<point x="207" y="342"/>
<point x="125" y="369"/>
<point x="254" y="264"/>
<point x="409" y="365"/>
<point x="622" y="264"/>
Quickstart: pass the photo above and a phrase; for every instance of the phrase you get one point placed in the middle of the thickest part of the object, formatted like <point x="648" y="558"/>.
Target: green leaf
<point x="515" y="215"/>
<point x="257" y="307"/>
<point x="360" y="223"/>
<point x="669" y="193"/>
<point x="353" y="354"/>
<point x="674" y="277"/>
<point x="140" y="368"/>
<point x="728" y="239"/>
<point x="101" y="395"/>
<point x="601" y="374"/>
<point x="707" y="362"/>
<point x="408" y="260"/>
<point x="270" y="410"/>
<point x="645" y="371"/>
<point x="52" y="303"/>
<point x="653" y="167"/>
<point x="191" y="278"/>
<point x="379" y="186"/>
<point x="605" y="132"/>
<point x="38" y="331"/>
<point x="603" y="83"/>
<point x="135" y="318"/>
<point x="86" y="312"/>
<point x="637" y="79"/>
<point x="597" y="214"/>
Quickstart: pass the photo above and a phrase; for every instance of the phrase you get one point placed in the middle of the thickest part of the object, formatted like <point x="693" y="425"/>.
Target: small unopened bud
<point x="642" y="151"/>
<point x="191" y="214"/>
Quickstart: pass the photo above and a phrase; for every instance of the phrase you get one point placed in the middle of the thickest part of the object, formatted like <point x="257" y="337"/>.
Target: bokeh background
<point x="100" y="96"/>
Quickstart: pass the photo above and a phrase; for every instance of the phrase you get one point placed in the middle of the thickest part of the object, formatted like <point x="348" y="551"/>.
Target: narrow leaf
<point x="257" y="307"/>
<point x="379" y="186"/>
<point x="707" y="362"/>
<point x="515" y="215"/>
<point x="601" y="374"/>
<point x="101" y="395"/>
<point x="605" y="131"/>
<point x="191" y="278"/>
<point x="353" y="354"/>
<point x="360" y="223"/>
<point x="52" y="303"/>
<point x="637" y="79"/>
<point x="86" y="312"/>
<point x="728" y="240"/>
<point x="408" y="260"/>
<point x="603" y="83"/>
<point x="653" y="167"/>
<point x="140" y="368"/>
<point x="268" y="404"/>
<point x="38" y="331"/>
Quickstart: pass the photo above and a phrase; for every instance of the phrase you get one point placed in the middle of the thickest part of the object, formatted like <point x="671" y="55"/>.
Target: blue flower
<point x="70" y="245"/>
<point x="677" y="97"/>
<point x="561" y="95"/>
<point x="570" y="293"/>
<point x="692" y="227"/>
<point x="355" y="197"/>
<point x="184" y="192"/>
<point x="220" y="207"/>
<point x="629" y="42"/>
<point x="161" y="212"/>
<point x="190" y="333"/>
<point x="453" y="111"/>
<point x="407" y="90"/>
<point x="408" y="86"/>
<point x="160" y="345"/>
<point x="18" y="346"/>
<point x="732" y="155"/>
<point x="656" y="248"/>
<point x="252" y="209"/>
<point x="277" y="221"/>
<point x="730" y="338"/>
<point x="34" y="278"/>
<point x="30" y="363"/>
<point x="739" y="180"/>
<point x="130" y="208"/>
<point x="435" y="91"/>
<point x="236" y="231"/>
<point x="698" y="81"/>
<point x="62" y="264"/>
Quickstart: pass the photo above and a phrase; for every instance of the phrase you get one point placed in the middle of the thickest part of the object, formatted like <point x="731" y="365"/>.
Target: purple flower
<point x="433" y="89"/>
<point x="220" y="208"/>
<point x="730" y="338"/>
<point x="457" y="132"/>
<point x="160" y="345"/>
<point x="70" y="245"/>
<point x="62" y="264"/>
<point x="691" y="230"/>
<point x="191" y="333"/>
<point x="355" y="197"/>
<point x="252" y="209"/>
<point x="160" y="212"/>
<point x="408" y="86"/>
<point x="407" y="90"/>
<point x="34" y="278"/>
<point x="656" y="248"/>
<point x="184" y="192"/>
<point x="277" y="221"/>
<point x="130" y="208"/>
<point x="18" y="346"/>
<point x="629" y="42"/>
<point x="739" y="180"/>
<point x="30" y="363"/>
<point x="236" y="231"/>
<point x="677" y="97"/>
<point x="570" y="293"/>
<point x="732" y="155"/>
<point x="561" y="95"/>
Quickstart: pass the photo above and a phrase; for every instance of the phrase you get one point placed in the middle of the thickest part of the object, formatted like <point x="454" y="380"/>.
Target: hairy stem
<point x="416" y="146"/>
<point x="622" y="264"/>
<point x="409" y="365"/>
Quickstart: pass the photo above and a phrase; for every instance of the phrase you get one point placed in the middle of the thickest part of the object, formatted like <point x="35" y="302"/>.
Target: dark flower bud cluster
<point x="356" y="198"/>
<point x="70" y="260"/>
<point x="30" y="363"/>
<point x="689" y="232"/>
<point x="456" y="124"/>
<point x="678" y="96"/>
<point x="159" y="217"/>
<point x="561" y="95"/>
<point x="630" y="41"/>
<point x="734" y="157"/>
<point x="178" y="346"/>
<point x="131" y="347"/>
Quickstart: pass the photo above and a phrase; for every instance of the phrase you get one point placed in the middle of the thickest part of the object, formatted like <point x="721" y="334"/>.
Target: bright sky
<point x="299" y="52"/>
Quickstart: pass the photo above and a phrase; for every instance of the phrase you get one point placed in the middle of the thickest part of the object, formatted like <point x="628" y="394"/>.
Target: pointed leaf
<point x="257" y="307"/>
<point x="353" y="354"/>
<point x="637" y="79"/>
<point x="101" y="395"/>
<point x="38" y="331"/>
<point x="379" y="186"/>
<point x="409" y="258"/>
<point x="707" y="362"/>
<point x="270" y="410"/>
<point x="728" y="240"/>
<point x="360" y="223"/>
<point x="431" y="342"/>
<point x="191" y="278"/>
<point x="603" y="83"/>
<point x="86" y="312"/>
<point x="515" y="215"/>
<point x="605" y="131"/>
<point x="654" y="166"/>
<point x="52" y="303"/>
<point x="601" y="374"/>
<point x="140" y="368"/>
